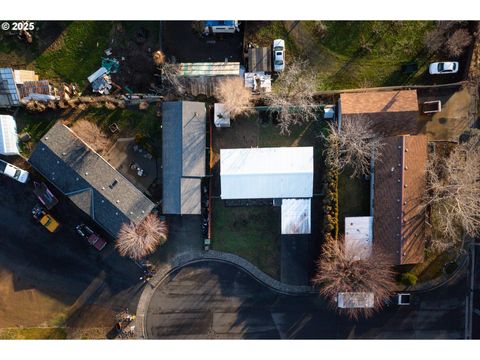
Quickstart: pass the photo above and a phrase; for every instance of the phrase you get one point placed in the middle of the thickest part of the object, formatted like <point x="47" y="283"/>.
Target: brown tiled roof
<point x="391" y="112"/>
<point x="399" y="183"/>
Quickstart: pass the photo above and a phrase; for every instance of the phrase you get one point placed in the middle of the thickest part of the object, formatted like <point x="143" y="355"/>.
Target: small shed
<point x="260" y="59"/>
<point x="358" y="236"/>
<point x="296" y="216"/>
<point x="8" y="135"/>
<point x="221" y="117"/>
<point x="355" y="300"/>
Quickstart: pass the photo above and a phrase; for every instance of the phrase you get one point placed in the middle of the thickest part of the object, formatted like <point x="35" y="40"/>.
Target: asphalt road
<point x="62" y="265"/>
<point x="218" y="300"/>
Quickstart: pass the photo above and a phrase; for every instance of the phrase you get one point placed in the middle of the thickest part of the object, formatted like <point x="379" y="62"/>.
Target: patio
<point x="135" y="163"/>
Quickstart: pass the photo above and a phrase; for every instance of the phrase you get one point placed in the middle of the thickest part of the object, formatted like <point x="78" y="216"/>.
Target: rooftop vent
<point x="113" y="184"/>
<point x="86" y="174"/>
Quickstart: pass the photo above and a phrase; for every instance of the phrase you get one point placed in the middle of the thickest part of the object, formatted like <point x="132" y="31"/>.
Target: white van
<point x="13" y="172"/>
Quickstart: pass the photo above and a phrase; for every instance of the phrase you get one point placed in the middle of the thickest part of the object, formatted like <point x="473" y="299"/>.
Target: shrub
<point x="408" y="279"/>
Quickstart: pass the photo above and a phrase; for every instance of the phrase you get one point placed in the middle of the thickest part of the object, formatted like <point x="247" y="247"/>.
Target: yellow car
<point x="45" y="219"/>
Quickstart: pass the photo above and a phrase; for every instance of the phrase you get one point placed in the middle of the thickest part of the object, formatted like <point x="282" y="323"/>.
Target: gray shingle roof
<point x="184" y="142"/>
<point x="88" y="180"/>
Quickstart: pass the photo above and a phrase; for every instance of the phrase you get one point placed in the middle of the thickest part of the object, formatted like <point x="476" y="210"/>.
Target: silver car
<point x="278" y="55"/>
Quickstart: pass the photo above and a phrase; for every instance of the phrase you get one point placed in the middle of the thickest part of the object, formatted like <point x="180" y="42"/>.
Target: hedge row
<point x="330" y="202"/>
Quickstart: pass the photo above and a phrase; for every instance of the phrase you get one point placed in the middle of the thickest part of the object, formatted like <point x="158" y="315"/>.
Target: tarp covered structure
<point x="8" y="135"/>
<point x="354" y="300"/>
<point x="296" y="216"/>
<point x="263" y="173"/>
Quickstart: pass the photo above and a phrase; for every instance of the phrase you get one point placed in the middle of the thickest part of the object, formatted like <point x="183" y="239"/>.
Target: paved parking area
<point x="186" y="45"/>
<point x="57" y="279"/>
<point x="216" y="300"/>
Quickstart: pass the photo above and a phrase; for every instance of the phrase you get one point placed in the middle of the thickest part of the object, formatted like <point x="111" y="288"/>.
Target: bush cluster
<point x="408" y="279"/>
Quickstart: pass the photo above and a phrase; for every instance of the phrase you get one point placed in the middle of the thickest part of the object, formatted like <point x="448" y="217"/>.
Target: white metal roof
<point x="349" y="300"/>
<point x="296" y="216"/>
<point x="262" y="173"/>
<point x="358" y="236"/>
<point x="209" y="69"/>
<point x="8" y="135"/>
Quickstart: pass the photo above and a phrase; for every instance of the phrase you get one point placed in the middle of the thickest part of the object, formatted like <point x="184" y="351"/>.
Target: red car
<point x="93" y="239"/>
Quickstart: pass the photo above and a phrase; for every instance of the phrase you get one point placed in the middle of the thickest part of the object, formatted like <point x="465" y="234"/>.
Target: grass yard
<point x="351" y="54"/>
<point x="33" y="333"/>
<point x="76" y="53"/>
<point x="250" y="232"/>
<point x="353" y="198"/>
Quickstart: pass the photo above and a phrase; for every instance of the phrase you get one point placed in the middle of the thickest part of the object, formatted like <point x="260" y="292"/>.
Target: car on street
<point x="93" y="239"/>
<point x="278" y="55"/>
<point x="47" y="220"/>
<point x="14" y="172"/>
<point x="444" y="67"/>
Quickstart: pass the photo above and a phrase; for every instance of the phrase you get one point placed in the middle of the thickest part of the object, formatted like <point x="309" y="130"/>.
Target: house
<point x="184" y="156"/>
<point x="8" y="136"/>
<point x="266" y="173"/>
<point x="83" y="176"/>
<point x="391" y="112"/>
<point x="399" y="185"/>
<point x="260" y="60"/>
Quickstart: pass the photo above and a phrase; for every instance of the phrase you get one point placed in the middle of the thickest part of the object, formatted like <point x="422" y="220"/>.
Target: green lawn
<point x="34" y="333"/>
<point x="76" y="53"/>
<point x="250" y="232"/>
<point x="353" y="198"/>
<point x="352" y="54"/>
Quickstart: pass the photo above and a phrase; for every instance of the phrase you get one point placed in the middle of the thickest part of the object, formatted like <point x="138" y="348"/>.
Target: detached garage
<point x="266" y="173"/>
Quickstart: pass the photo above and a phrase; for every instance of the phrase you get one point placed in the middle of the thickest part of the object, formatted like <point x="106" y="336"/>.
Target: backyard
<point x="130" y="122"/>
<point x="253" y="232"/>
<point x="351" y="54"/>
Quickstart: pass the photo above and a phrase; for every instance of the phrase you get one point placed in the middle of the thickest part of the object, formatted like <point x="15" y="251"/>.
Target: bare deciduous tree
<point x="170" y="78"/>
<point x="292" y="95"/>
<point x="453" y="193"/>
<point x="138" y="241"/>
<point x="352" y="145"/>
<point x="436" y="38"/>
<point x="458" y="41"/>
<point x="340" y="271"/>
<point x="235" y="96"/>
<point x="92" y="135"/>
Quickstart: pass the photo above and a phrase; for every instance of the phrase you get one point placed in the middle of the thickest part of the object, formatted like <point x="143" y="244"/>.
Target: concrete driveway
<point x="57" y="279"/>
<point x="217" y="300"/>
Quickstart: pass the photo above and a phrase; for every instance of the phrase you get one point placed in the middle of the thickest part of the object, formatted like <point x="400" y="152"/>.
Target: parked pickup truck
<point x="45" y="219"/>
<point x="93" y="239"/>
